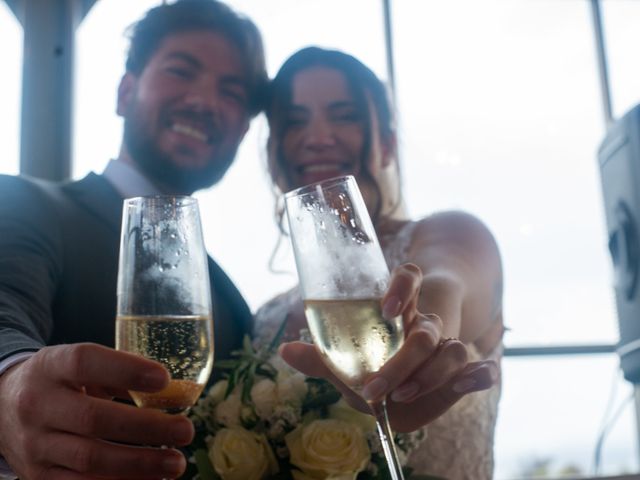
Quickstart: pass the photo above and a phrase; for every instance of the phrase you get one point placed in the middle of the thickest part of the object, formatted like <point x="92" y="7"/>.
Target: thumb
<point x="305" y="358"/>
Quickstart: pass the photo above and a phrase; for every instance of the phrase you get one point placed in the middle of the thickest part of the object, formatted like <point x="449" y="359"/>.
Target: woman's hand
<point x="424" y="378"/>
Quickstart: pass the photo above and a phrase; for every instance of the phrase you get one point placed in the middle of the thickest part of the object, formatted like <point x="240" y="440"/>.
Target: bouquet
<point x="267" y="420"/>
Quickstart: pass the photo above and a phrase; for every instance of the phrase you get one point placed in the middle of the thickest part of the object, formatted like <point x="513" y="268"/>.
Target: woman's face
<point x="324" y="129"/>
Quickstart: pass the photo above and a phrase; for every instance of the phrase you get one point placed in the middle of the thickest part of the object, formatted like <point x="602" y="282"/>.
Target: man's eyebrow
<point x="185" y="57"/>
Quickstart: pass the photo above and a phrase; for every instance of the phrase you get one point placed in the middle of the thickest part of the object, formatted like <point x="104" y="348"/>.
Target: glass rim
<point x="311" y="187"/>
<point x="178" y="200"/>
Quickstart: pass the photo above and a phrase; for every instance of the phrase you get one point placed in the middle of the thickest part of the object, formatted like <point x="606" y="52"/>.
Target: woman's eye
<point x="346" y="116"/>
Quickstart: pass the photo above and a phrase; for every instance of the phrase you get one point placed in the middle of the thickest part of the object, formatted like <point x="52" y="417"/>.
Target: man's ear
<point x="126" y="91"/>
<point x="389" y="149"/>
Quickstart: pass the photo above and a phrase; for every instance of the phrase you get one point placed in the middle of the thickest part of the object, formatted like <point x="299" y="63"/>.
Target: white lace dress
<point x="459" y="444"/>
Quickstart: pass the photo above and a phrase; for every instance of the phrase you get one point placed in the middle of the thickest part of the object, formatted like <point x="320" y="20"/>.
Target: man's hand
<point x="54" y="427"/>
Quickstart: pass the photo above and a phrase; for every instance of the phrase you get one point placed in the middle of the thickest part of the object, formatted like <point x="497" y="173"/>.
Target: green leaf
<point x="247" y="346"/>
<point x="273" y="346"/>
<point x="226" y="364"/>
<point x="248" y="383"/>
<point x="321" y="400"/>
<point x="205" y="469"/>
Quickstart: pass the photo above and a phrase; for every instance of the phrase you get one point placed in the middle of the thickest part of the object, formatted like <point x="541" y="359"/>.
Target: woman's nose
<point x="320" y="134"/>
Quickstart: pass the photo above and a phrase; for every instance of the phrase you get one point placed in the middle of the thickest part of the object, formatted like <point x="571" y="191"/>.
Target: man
<point x="194" y="74"/>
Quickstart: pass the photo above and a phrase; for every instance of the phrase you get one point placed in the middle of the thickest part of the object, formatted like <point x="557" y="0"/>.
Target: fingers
<point x="420" y="344"/>
<point x="407" y="417"/>
<point x="98" y="418"/>
<point x="449" y="359"/>
<point x="109" y="460"/>
<point x="402" y="294"/>
<point x="88" y="364"/>
<point x="305" y="358"/>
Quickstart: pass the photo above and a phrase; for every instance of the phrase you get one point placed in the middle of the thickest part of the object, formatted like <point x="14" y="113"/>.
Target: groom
<point x="194" y="76"/>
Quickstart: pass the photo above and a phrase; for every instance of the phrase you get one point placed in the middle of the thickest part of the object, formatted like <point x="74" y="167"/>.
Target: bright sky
<point x="500" y="116"/>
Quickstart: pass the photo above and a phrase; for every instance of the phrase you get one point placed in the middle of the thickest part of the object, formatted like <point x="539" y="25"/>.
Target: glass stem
<point x="379" y="410"/>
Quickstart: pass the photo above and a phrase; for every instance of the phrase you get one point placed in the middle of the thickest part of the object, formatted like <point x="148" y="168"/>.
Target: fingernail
<point x="405" y="392"/>
<point x="374" y="389"/>
<point x="493" y="372"/>
<point x="391" y="308"/>
<point x="465" y="385"/>
<point x="174" y="465"/>
<point x="182" y="433"/>
<point x="154" y="379"/>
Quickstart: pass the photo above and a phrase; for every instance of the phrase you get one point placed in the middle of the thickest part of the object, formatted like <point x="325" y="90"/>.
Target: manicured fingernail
<point x="405" y="392"/>
<point x="493" y="372"/>
<point x="374" y="389"/>
<point x="465" y="385"/>
<point x="391" y="308"/>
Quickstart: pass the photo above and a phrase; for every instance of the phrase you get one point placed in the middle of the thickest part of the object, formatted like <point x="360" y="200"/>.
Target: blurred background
<point x="500" y="114"/>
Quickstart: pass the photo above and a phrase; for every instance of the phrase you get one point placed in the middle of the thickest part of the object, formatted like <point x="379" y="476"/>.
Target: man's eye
<point x="237" y="96"/>
<point x="180" y="72"/>
<point x="295" y="121"/>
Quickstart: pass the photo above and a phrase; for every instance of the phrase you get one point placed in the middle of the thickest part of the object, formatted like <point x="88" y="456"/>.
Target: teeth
<point x="321" y="168"/>
<point x="190" y="131"/>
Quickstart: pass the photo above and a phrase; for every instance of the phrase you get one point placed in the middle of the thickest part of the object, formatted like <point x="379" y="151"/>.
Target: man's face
<point x="187" y="112"/>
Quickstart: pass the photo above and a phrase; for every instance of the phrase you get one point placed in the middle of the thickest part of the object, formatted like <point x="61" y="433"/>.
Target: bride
<point x="329" y="115"/>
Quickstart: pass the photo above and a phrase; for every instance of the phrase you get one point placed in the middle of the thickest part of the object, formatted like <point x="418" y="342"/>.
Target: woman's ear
<point x="126" y="91"/>
<point x="389" y="149"/>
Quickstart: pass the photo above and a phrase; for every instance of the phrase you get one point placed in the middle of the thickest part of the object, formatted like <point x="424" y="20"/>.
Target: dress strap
<point x="397" y="244"/>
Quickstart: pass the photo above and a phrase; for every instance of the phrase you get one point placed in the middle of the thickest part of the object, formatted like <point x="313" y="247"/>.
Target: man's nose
<point x="203" y="97"/>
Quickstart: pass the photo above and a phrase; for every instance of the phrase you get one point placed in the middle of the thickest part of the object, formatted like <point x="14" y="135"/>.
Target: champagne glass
<point x="343" y="277"/>
<point x="164" y="299"/>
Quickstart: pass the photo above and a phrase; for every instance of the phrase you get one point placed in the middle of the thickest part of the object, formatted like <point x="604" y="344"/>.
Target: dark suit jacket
<point x="58" y="268"/>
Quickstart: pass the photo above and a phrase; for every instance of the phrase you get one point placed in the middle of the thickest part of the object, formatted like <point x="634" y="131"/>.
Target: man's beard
<point x="160" y="168"/>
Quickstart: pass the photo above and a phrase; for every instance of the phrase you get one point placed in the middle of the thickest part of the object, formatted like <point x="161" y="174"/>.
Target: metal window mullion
<point x="603" y="67"/>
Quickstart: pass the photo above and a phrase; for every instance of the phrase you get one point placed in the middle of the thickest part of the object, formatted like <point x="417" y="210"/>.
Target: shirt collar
<point x="128" y="180"/>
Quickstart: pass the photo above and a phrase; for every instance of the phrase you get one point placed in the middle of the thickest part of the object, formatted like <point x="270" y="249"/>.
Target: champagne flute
<point x="164" y="300"/>
<point x="343" y="277"/>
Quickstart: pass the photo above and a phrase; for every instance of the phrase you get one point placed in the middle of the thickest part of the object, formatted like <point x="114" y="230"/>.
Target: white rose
<point x="238" y="454"/>
<point x="264" y="397"/>
<point x="282" y="367"/>
<point x="216" y="393"/>
<point x="292" y="388"/>
<point x="328" y="449"/>
<point x="227" y="412"/>
<point x="341" y="410"/>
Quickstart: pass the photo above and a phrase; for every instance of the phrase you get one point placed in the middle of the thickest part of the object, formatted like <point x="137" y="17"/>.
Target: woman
<point x="328" y="116"/>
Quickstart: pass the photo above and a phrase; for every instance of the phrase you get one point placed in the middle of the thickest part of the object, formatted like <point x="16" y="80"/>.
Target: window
<point x="501" y="116"/>
<point x="10" y="88"/>
<point x="621" y="32"/>
<point x="100" y="55"/>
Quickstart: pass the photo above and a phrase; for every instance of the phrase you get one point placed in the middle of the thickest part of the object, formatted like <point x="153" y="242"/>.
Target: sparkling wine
<point x="183" y="344"/>
<point x="353" y="336"/>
